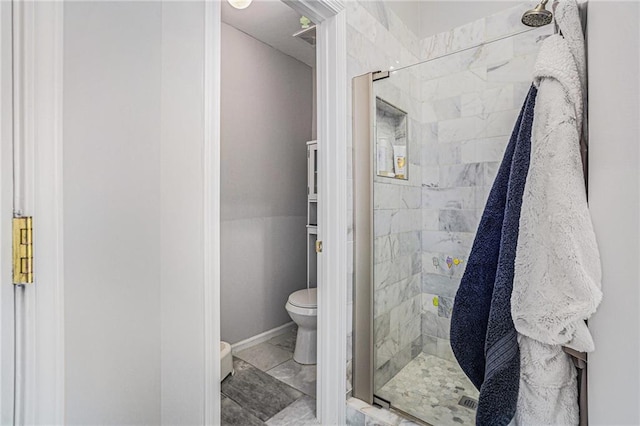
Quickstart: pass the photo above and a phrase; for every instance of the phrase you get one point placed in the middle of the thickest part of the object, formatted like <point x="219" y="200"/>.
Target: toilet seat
<point x="306" y="298"/>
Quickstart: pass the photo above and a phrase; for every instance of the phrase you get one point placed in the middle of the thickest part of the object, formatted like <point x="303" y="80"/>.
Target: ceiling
<point x="274" y="23"/>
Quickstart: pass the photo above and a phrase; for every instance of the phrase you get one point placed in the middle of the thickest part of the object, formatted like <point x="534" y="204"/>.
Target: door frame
<point x="37" y="63"/>
<point x="330" y="17"/>
<point x="43" y="35"/>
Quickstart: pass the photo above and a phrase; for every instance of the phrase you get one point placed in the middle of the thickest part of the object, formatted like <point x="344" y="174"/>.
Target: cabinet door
<point x="312" y="170"/>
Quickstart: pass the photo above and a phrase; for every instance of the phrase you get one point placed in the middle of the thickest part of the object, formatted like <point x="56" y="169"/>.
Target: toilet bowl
<point x="302" y="307"/>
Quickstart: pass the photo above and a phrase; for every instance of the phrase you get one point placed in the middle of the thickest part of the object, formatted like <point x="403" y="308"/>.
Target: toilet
<point x="302" y="307"/>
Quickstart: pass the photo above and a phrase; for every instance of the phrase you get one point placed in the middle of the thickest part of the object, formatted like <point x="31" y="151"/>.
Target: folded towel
<point x="483" y="337"/>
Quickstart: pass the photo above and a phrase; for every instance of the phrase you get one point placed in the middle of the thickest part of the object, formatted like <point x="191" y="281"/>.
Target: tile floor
<point x="269" y="387"/>
<point x="429" y="388"/>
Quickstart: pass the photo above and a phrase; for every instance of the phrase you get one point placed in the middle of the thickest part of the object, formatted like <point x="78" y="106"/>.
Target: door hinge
<point x="22" y="250"/>
<point x="318" y="246"/>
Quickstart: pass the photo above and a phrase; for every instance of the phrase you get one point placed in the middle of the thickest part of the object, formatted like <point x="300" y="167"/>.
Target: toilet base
<point x="306" y="345"/>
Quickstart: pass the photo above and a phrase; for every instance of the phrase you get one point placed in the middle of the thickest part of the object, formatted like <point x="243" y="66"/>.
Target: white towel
<point x="557" y="267"/>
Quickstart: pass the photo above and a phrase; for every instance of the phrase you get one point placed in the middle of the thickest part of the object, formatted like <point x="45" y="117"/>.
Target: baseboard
<point x="262" y="337"/>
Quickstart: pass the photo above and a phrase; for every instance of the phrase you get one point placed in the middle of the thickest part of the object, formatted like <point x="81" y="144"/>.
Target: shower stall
<point x="428" y="139"/>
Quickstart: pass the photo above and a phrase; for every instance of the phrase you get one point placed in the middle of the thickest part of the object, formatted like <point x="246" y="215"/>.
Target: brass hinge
<point x="22" y="250"/>
<point x="318" y="246"/>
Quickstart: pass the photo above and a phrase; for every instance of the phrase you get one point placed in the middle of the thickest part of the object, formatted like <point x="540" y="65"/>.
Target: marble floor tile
<point x="301" y="377"/>
<point x="264" y="356"/>
<point x="285" y="341"/>
<point x="430" y="388"/>
<point x="300" y="413"/>
<point x="234" y="415"/>
<point x="257" y="392"/>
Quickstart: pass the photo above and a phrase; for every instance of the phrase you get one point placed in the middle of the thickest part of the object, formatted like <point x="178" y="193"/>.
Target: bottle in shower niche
<point x="400" y="161"/>
<point x="385" y="158"/>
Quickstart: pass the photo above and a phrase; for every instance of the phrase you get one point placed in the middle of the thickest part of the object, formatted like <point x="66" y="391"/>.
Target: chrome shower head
<point x="538" y="16"/>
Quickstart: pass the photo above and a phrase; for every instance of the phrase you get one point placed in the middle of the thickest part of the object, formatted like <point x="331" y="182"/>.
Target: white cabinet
<point x="312" y="170"/>
<point x="312" y="213"/>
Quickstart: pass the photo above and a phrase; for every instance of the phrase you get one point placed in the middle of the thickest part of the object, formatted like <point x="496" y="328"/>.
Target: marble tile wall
<point x="461" y="109"/>
<point x="379" y="40"/>
<point x="470" y="102"/>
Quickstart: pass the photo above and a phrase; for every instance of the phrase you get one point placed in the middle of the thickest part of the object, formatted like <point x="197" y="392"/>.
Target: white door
<point x="108" y="136"/>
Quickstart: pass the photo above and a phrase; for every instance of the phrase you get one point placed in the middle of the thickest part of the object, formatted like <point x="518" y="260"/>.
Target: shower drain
<point x="471" y="403"/>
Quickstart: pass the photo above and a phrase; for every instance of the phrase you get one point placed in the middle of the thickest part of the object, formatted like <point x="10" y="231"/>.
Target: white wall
<point x="266" y="120"/>
<point x="614" y="200"/>
<point x="132" y="204"/>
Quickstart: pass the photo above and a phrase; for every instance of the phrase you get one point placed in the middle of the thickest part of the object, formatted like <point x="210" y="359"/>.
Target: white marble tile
<point x="429" y="324"/>
<point x="404" y="244"/>
<point x="404" y="313"/>
<point x="447" y="108"/>
<point x="530" y="42"/>
<point x="455" y="243"/>
<point x="498" y="52"/>
<point x="444" y="349"/>
<point x="436" y="263"/>
<point x="406" y="220"/>
<point x="470" y="80"/>
<point x="481" y="196"/>
<point x="398" y="270"/>
<point x="518" y="69"/>
<point x="501" y="123"/>
<point x="520" y="91"/>
<point x="449" y="153"/>
<point x="461" y="175"/>
<point x="460" y="129"/>
<point x="301" y="413"/>
<point x="393" y="196"/>
<point x="382" y="222"/>
<point x="386" y="349"/>
<point x="264" y="356"/>
<point x="381" y="327"/>
<point x="445" y="307"/>
<point x="430" y="219"/>
<point x="354" y="417"/>
<point x="507" y="21"/>
<point x="490" y="171"/>
<point x="483" y="150"/>
<point x="411" y="331"/>
<point x="458" y="220"/>
<point x="386" y="298"/>
<point x="431" y="176"/>
<point x="471" y="104"/>
<point x="429" y="303"/>
<point x="443" y="326"/>
<point x="429" y="388"/>
<point x="436" y="45"/>
<point x="439" y="284"/>
<point x="451" y="198"/>
<point x="468" y="35"/>
<point x="429" y="345"/>
<point x="298" y="376"/>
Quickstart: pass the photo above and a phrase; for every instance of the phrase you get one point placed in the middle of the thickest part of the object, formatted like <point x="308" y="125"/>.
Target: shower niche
<point x="391" y="140"/>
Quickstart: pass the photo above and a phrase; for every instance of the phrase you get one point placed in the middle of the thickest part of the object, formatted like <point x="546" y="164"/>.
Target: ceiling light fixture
<point x="240" y="4"/>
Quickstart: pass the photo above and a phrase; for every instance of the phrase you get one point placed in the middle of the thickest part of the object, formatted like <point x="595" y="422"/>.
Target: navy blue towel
<point x="483" y="337"/>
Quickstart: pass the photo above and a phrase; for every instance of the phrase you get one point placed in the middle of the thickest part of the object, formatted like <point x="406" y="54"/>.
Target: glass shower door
<point x="448" y="120"/>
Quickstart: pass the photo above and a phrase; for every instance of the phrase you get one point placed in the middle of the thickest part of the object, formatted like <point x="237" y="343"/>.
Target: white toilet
<point x="302" y="307"/>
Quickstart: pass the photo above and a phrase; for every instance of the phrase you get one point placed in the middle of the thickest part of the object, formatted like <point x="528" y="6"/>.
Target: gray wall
<point x="614" y="200"/>
<point x="134" y="349"/>
<point x="266" y="120"/>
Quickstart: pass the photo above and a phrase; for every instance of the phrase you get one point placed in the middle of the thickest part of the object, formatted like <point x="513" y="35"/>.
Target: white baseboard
<point x="262" y="337"/>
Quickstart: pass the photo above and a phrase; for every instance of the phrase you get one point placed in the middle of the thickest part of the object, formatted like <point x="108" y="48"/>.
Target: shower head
<point x="538" y="16"/>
